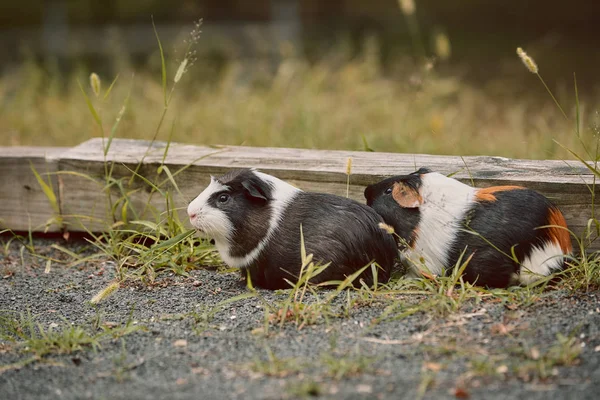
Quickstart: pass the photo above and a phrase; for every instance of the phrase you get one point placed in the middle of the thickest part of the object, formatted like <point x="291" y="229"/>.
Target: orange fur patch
<point x="413" y="239"/>
<point x="406" y="196"/>
<point x="487" y="194"/>
<point x="558" y="231"/>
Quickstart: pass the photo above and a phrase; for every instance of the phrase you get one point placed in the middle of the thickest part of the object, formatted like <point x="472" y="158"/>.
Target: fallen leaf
<point x="181" y="381"/>
<point x="501" y="329"/>
<point x="535" y="353"/>
<point x="431" y="366"/>
<point x="461" y="393"/>
<point x="427" y="275"/>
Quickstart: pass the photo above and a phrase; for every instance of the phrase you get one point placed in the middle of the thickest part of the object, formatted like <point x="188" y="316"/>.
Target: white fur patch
<point x="282" y="195"/>
<point x="445" y="202"/>
<point x="541" y="262"/>
<point x="210" y="221"/>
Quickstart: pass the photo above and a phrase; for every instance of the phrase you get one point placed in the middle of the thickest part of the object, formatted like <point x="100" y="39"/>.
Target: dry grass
<point x="330" y="104"/>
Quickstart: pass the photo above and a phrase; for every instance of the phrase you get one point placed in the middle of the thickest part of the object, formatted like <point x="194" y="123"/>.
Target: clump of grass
<point x="345" y="366"/>
<point x="305" y="389"/>
<point x="583" y="273"/>
<point x="32" y="337"/>
<point x="526" y="362"/>
<point x="294" y="308"/>
<point x="442" y="295"/>
<point x="203" y="315"/>
<point x="142" y="241"/>
<point x="305" y="304"/>
<point x="275" y="366"/>
<point x="65" y="338"/>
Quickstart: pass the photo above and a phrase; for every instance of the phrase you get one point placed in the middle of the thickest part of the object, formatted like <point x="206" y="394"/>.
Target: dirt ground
<point x="184" y="348"/>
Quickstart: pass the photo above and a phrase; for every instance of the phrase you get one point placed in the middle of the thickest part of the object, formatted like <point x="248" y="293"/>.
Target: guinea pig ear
<point x="406" y="196"/>
<point x="254" y="191"/>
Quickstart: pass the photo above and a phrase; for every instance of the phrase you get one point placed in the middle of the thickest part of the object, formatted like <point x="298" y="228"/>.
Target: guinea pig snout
<point x="193" y="213"/>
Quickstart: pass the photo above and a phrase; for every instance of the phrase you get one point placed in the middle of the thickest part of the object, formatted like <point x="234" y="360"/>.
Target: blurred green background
<point x="391" y="75"/>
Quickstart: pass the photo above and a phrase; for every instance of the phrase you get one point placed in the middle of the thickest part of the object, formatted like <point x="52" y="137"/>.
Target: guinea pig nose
<point x="192" y="215"/>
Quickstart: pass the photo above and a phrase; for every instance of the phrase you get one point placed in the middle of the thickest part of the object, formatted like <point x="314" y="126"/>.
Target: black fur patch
<point x="507" y="223"/>
<point x="336" y="230"/>
<point x="237" y="178"/>
<point x="249" y="214"/>
<point x="403" y="220"/>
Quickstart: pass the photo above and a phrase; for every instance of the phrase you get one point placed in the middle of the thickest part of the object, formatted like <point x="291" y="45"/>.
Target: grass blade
<point x="47" y="189"/>
<point x="110" y="88"/>
<point x="577" y="111"/>
<point x="577" y="156"/>
<point x="66" y="251"/>
<point x="162" y="63"/>
<point x="172" y="179"/>
<point x="90" y="105"/>
<point x="174" y="240"/>
<point x="152" y="185"/>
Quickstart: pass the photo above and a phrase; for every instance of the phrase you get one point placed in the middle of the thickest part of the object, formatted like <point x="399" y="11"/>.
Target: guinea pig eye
<point x="388" y="190"/>
<point x="223" y="198"/>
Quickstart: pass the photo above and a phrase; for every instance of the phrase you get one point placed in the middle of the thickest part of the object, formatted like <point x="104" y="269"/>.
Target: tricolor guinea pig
<point x="440" y="219"/>
<point x="255" y="220"/>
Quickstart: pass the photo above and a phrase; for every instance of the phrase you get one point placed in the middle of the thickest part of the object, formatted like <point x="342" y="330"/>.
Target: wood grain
<point x="85" y="203"/>
<point x="24" y="206"/>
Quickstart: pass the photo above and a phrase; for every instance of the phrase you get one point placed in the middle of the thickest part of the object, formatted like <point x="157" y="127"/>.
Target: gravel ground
<point x="479" y="352"/>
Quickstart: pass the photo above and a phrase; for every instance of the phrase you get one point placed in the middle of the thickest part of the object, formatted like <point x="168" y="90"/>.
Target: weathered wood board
<point x="84" y="201"/>
<point x="23" y="204"/>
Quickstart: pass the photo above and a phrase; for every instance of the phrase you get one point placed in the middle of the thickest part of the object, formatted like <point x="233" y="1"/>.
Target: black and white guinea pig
<point x="437" y="217"/>
<point x="254" y="219"/>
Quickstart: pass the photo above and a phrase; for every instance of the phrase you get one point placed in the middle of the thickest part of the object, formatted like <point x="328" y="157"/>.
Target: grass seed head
<point x="442" y="46"/>
<point x="180" y="70"/>
<point x="527" y="60"/>
<point x="407" y="6"/>
<point x="95" y="83"/>
<point x="104" y="293"/>
<point x="349" y="166"/>
<point x="388" y="228"/>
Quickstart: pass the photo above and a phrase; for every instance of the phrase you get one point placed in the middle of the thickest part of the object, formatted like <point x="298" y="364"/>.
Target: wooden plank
<point x="24" y="206"/>
<point x="565" y="182"/>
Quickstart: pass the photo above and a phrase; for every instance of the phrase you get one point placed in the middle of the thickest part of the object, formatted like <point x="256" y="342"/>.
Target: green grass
<point x="334" y="364"/>
<point x="271" y="365"/>
<point x="331" y="104"/>
<point x="526" y="362"/>
<point x="32" y="337"/>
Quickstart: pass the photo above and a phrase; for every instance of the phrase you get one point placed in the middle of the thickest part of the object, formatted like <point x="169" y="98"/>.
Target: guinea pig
<point x="513" y="235"/>
<point x="255" y="220"/>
